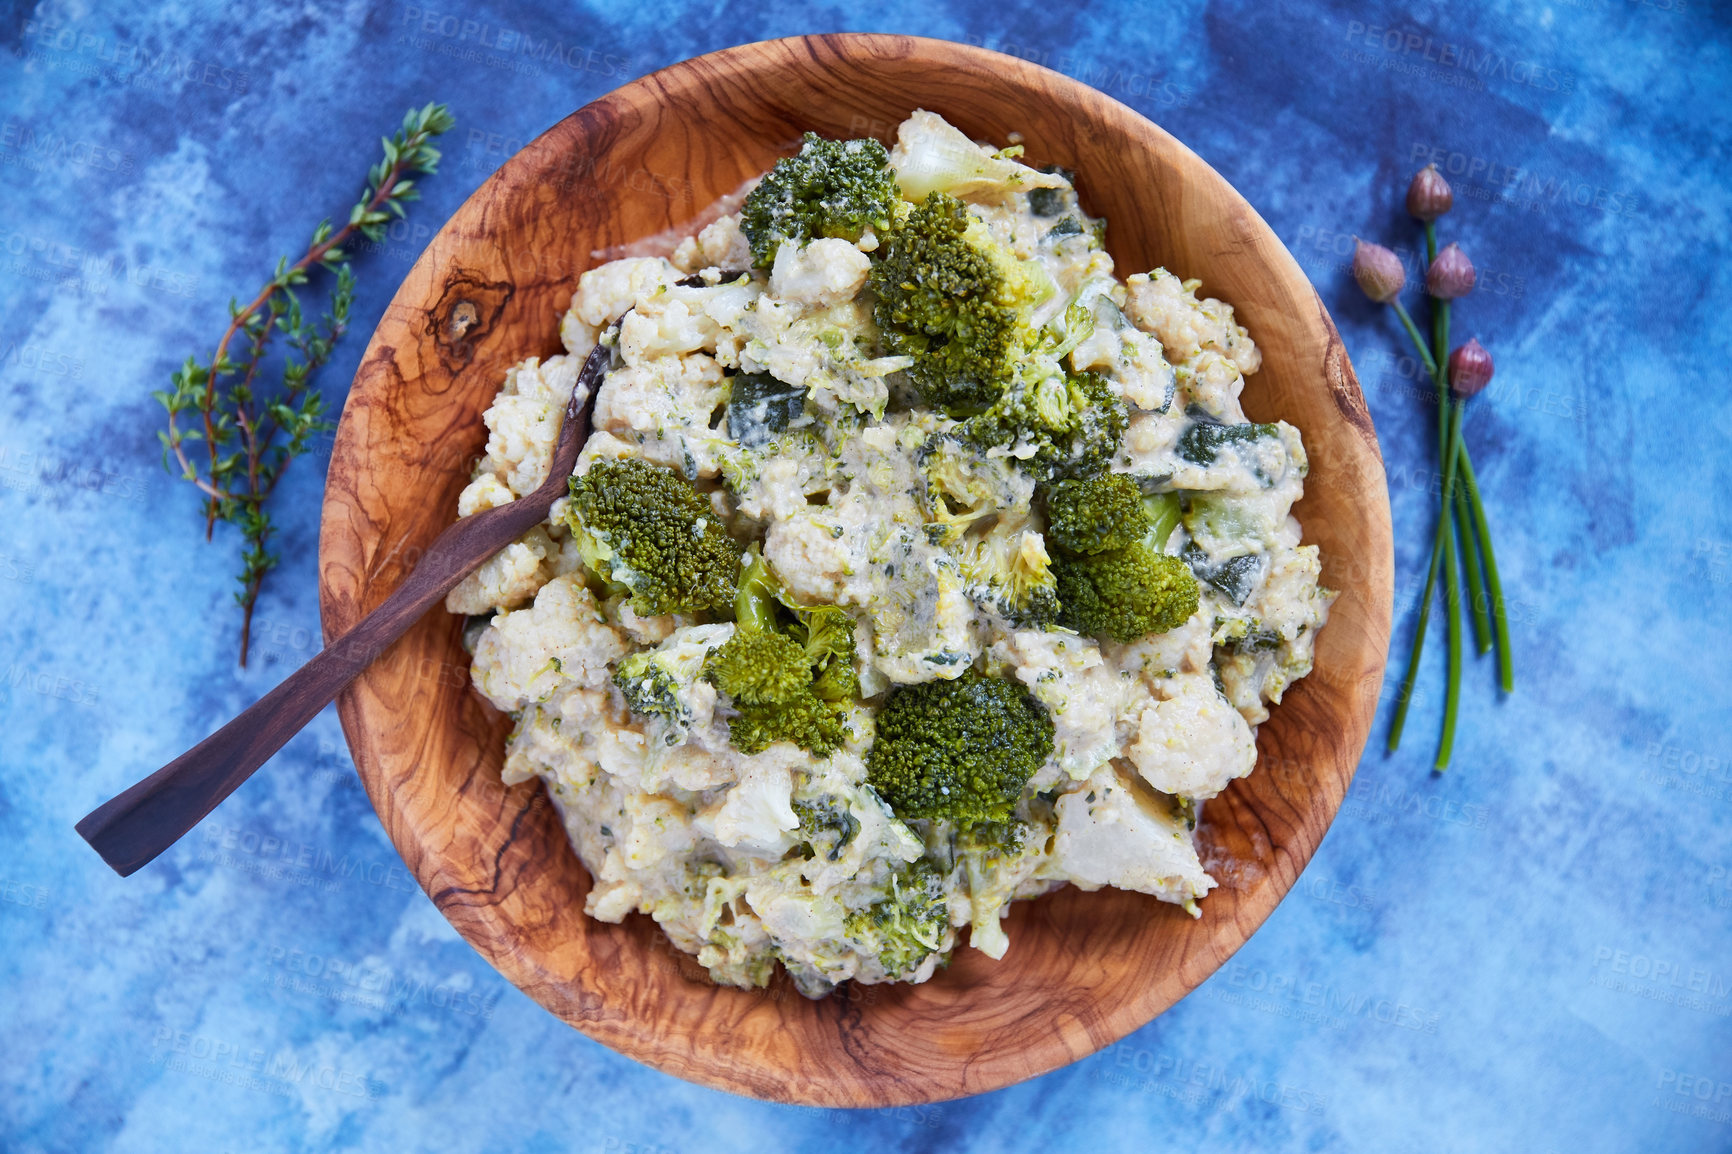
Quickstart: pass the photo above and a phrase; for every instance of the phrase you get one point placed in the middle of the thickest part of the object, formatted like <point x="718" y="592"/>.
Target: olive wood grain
<point x="132" y="828"/>
<point x="1083" y="969"/>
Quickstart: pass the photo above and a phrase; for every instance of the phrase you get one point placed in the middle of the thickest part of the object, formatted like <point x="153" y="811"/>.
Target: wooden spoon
<point x="131" y="829"/>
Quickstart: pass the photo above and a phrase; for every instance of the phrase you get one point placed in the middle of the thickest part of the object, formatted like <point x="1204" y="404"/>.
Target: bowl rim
<point x="338" y="611"/>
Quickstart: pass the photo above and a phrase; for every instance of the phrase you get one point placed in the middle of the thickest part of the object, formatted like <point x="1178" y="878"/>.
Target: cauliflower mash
<point x="963" y="467"/>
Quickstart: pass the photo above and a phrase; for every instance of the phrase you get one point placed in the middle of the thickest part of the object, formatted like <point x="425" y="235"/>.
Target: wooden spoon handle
<point x="131" y="829"/>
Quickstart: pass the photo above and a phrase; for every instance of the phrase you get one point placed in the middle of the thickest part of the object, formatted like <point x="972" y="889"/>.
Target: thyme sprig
<point x="251" y="432"/>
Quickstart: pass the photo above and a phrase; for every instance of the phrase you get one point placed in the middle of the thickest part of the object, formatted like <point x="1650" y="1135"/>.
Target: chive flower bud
<point x="1429" y="196"/>
<point x="1378" y="271"/>
<point x="1470" y="370"/>
<point x="1451" y="275"/>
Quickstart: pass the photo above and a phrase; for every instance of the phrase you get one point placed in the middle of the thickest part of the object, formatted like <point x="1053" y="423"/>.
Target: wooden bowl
<point x="1084" y="969"/>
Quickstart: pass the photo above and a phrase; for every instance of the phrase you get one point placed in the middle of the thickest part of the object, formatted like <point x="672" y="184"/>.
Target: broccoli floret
<point x="956" y="301"/>
<point x="1202" y="441"/>
<point x="771" y="675"/>
<point x="827" y="819"/>
<point x="643" y="528"/>
<point x="760" y="406"/>
<point x="1068" y="330"/>
<point x="759" y="667"/>
<point x="767" y="675"/>
<point x="1010" y="572"/>
<point x="965" y="489"/>
<point x="1113" y="579"/>
<point x="807" y="721"/>
<point x="827" y="636"/>
<point x="959" y="750"/>
<point x="831" y="188"/>
<point x="656" y="683"/>
<point x="978" y="509"/>
<point x="650" y="690"/>
<point x="1124" y="593"/>
<point x="990" y="841"/>
<point x="824" y="633"/>
<point x="908" y="925"/>
<point x="1094" y="514"/>
<point x="1058" y="425"/>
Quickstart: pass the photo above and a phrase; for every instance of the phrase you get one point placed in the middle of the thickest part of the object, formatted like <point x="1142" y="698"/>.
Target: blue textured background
<point x="1531" y="952"/>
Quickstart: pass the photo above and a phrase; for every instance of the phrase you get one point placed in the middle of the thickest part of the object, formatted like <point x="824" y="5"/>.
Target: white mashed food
<point x="934" y="539"/>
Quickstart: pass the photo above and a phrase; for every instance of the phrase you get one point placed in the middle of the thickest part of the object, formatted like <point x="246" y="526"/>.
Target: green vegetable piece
<point x="1074" y="429"/>
<point x="1234" y="578"/>
<point x="992" y="841"/>
<point x="649" y="689"/>
<point x="760" y="406"/>
<point x="1069" y="226"/>
<point x="827" y="819"/>
<point x="1124" y="594"/>
<point x="834" y="188"/>
<point x="960" y="750"/>
<point x="755" y="603"/>
<point x="1046" y="201"/>
<point x="827" y="634"/>
<point x="1050" y="201"/>
<point x="955" y="301"/>
<point x="644" y="528"/>
<point x="1202" y="441"/>
<point x="769" y="674"/>
<point x="1094" y="514"/>
<point x="808" y="721"/>
<point x="1246" y="635"/>
<point x="1021" y="589"/>
<point x="1164" y="511"/>
<point x="760" y="667"/>
<point x="905" y="927"/>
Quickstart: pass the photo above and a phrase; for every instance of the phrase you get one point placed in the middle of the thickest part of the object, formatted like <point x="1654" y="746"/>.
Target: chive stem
<point x="1473" y="585"/>
<point x="1494" y="584"/>
<point x="1452" y="606"/>
<point x="1405" y="698"/>
<point x="1448" y="434"/>
<point x="1418" y="341"/>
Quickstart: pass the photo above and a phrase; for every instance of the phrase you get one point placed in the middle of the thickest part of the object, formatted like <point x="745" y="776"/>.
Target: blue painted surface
<point x="1530" y="953"/>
